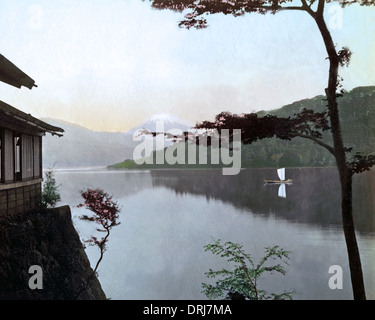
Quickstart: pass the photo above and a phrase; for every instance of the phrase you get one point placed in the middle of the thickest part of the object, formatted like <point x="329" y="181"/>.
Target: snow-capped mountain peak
<point x="169" y="121"/>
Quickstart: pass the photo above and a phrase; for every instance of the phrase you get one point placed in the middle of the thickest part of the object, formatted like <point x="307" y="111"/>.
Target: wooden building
<point x="21" y="134"/>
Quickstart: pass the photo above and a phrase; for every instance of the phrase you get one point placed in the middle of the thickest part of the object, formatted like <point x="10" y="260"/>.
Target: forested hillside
<point x="357" y="113"/>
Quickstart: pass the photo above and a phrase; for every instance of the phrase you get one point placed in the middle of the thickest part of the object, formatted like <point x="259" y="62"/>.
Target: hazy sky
<point x="109" y="65"/>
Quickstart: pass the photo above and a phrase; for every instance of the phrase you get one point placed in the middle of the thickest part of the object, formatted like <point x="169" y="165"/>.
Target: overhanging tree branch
<point x="361" y="163"/>
<point x="281" y="8"/>
<point x="317" y="141"/>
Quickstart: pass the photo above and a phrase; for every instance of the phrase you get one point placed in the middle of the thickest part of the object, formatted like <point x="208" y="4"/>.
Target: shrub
<point x="50" y="195"/>
<point x="242" y="282"/>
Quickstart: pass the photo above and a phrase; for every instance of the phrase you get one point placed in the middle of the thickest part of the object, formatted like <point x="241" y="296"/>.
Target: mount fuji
<point x="164" y="122"/>
<point x="170" y="122"/>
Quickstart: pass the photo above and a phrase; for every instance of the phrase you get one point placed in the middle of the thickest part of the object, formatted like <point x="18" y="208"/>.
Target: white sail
<point x="282" y="191"/>
<point x="281" y="173"/>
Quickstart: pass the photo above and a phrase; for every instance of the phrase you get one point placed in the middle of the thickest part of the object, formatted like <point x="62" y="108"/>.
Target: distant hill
<point x="81" y="147"/>
<point x="357" y="114"/>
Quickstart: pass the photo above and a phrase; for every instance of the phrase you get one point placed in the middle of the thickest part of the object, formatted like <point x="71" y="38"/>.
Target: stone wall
<point x="49" y="240"/>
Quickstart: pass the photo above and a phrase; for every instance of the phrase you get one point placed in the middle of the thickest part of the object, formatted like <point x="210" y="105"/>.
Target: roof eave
<point x="12" y="75"/>
<point x="30" y="120"/>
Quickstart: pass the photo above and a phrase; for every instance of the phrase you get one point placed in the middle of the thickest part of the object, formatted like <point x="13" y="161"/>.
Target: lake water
<point x="167" y="216"/>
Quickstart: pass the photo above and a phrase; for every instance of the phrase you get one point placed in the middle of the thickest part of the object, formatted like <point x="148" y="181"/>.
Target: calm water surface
<point x="167" y="216"/>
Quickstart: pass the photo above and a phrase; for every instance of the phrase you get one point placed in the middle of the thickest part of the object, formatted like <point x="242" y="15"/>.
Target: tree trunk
<point x="350" y="239"/>
<point x="344" y="172"/>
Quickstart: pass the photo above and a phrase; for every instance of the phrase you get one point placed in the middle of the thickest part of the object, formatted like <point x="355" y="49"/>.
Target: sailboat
<point x="282" y="182"/>
<point x="281" y="174"/>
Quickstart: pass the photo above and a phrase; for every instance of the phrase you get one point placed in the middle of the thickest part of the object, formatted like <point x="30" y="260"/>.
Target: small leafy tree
<point x="106" y="215"/>
<point x="242" y="281"/>
<point x="50" y="194"/>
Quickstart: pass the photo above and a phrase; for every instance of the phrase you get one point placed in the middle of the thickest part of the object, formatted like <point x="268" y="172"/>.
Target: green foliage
<point x="50" y="194"/>
<point x="242" y="281"/>
<point x="276" y="158"/>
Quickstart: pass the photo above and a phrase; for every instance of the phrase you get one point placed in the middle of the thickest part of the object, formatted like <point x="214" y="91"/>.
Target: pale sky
<point x="110" y="65"/>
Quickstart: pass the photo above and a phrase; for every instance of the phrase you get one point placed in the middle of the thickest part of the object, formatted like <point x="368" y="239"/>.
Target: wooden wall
<point x="30" y="157"/>
<point x="27" y="157"/>
<point x="20" y="192"/>
<point x="8" y="156"/>
<point x="37" y="157"/>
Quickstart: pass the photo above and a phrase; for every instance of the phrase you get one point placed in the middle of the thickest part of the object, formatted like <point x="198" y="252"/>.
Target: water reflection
<point x="168" y="216"/>
<point x="313" y="197"/>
